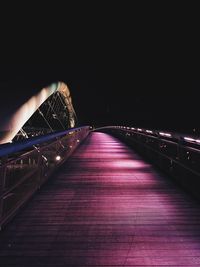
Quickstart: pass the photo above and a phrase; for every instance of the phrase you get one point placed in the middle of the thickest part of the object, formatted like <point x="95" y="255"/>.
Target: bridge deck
<point x="105" y="207"/>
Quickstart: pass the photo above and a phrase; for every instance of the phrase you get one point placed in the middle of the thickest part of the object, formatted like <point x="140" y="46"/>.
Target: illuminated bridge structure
<point x="77" y="196"/>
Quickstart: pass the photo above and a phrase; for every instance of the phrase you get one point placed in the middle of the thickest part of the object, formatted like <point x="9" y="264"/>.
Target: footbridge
<point x="73" y="195"/>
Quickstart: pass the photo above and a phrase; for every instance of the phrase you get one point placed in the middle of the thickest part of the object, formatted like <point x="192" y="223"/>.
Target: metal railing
<point x="26" y="165"/>
<point x="177" y="154"/>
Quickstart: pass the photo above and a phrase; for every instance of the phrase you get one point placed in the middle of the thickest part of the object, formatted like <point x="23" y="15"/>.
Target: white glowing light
<point x="162" y="133"/>
<point x="77" y="140"/>
<point x="189" y="139"/>
<point x="165" y="134"/>
<point x="132" y="128"/>
<point x="148" y="131"/>
<point x="140" y="130"/>
<point x="58" y="158"/>
<point x="44" y="158"/>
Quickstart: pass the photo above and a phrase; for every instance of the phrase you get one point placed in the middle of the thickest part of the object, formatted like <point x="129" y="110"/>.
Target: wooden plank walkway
<point x="105" y="207"/>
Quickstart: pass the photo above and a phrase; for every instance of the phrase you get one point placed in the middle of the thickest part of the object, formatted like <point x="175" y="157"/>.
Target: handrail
<point x="183" y="139"/>
<point x="176" y="154"/>
<point x="21" y="174"/>
<point x="10" y="148"/>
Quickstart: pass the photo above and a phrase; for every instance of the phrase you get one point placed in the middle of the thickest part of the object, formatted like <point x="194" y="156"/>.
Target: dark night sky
<point x="120" y="70"/>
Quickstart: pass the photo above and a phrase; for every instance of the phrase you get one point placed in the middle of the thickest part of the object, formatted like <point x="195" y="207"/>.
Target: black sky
<point x="122" y="68"/>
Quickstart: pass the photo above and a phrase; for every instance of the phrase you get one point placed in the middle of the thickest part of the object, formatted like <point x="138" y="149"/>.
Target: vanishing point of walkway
<point x="106" y="206"/>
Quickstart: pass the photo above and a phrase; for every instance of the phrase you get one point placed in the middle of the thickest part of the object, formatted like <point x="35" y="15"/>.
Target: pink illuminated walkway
<point x="105" y="207"/>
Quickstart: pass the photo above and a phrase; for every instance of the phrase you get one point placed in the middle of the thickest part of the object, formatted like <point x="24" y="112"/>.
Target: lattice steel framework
<point x="49" y="111"/>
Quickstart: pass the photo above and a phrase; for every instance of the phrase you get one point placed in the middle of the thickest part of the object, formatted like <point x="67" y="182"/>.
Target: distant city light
<point x="140" y="130"/>
<point x="148" y="131"/>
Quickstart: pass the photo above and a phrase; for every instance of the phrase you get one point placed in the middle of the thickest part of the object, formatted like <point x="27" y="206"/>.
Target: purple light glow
<point x="129" y="164"/>
<point x="106" y="207"/>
